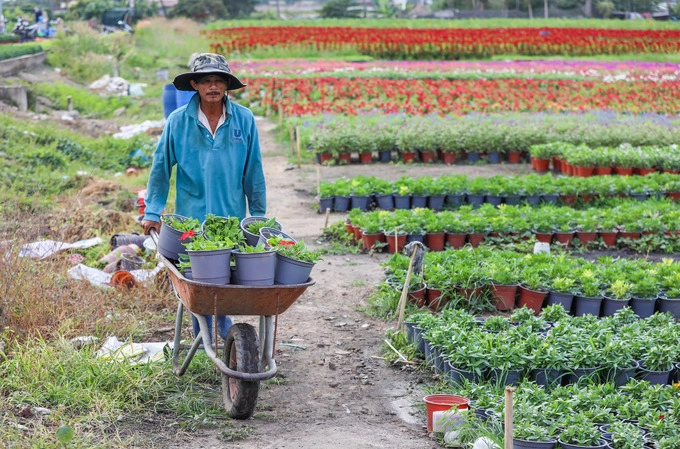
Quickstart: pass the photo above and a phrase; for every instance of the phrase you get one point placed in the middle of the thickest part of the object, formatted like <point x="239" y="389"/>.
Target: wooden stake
<point x="280" y="114"/>
<point x="328" y="215"/>
<point x="401" y="356"/>
<point x="318" y="183"/>
<point x="291" y="134"/>
<point x="298" y="143"/>
<point x="407" y="283"/>
<point x="508" y="417"/>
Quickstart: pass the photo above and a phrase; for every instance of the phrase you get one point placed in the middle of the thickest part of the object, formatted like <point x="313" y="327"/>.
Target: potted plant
<point x="326" y="196"/>
<point x="383" y="191"/>
<point x="255" y="265"/>
<point x="175" y="231"/>
<point x="644" y="292"/>
<point x="657" y="363"/>
<point x="527" y="435"/>
<point x="561" y="291"/>
<point x="548" y="363"/>
<point x="251" y="227"/>
<point x="209" y="260"/>
<point x="616" y="297"/>
<point x="625" y="435"/>
<point x="578" y="432"/>
<point x="589" y="299"/>
<point x="226" y="229"/>
<point x="294" y="262"/>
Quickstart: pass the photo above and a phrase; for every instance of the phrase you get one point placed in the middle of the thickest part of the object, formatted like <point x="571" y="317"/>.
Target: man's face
<point x="211" y="88"/>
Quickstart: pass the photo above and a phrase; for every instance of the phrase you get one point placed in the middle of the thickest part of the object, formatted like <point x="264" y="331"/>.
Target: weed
<point x="237" y="434"/>
<point x="358" y="283"/>
<point x="276" y="380"/>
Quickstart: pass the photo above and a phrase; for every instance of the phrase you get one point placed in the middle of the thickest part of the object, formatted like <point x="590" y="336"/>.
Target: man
<point x="215" y="145"/>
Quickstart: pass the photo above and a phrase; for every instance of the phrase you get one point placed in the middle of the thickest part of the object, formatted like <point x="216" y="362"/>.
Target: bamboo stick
<point x="508" y="417"/>
<point x="297" y="143"/>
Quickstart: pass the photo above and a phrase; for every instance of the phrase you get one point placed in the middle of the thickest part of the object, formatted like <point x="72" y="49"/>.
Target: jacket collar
<point x="192" y="107"/>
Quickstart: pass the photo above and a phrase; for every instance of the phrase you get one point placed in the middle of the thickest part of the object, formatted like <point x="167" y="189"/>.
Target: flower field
<point x="312" y="96"/>
<point x="607" y="71"/>
<point x="426" y="44"/>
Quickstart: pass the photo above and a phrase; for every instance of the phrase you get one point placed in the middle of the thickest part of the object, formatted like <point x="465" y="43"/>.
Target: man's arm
<point x="159" y="178"/>
<point x="253" y="179"/>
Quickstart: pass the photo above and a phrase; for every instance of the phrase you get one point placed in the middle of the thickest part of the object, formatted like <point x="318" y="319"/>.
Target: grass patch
<point x="237" y="434"/>
<point x="89" y="393"/>
<point x="338" y="241"/>
<point x="41" y="161"/>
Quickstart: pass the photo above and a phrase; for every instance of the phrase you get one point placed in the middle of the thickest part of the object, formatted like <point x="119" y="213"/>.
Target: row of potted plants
<point x="492" y="133"/>
<point x="552" y="349"/>
<point x="486" y="279"/>
<point x="254" y="251"/>
<point x="625" y="159"/>
<point x="621" y="219"/>
<point x="446" y="192"/>
<point x="611" y="371"/>
<point x="635" y="416"/>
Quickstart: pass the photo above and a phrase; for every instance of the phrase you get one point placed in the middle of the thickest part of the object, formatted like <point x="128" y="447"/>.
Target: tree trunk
<point x="531" y="12"/>
<point x="588" y="8"/>
<point x="545" y="9"/>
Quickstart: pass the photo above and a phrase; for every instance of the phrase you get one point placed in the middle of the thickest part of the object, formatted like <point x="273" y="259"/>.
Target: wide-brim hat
<point x="206" y="64"/>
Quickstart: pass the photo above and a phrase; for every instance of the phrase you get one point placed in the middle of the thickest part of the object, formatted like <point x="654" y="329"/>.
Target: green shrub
<point x="9" y="51"/>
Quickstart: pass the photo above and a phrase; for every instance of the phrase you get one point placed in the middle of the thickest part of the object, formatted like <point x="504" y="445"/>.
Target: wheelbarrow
<point x="248" y="356"/>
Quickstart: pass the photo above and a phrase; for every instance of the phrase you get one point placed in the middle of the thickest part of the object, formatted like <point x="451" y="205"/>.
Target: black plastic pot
<point x="566" y="299"/>
<point x="584" y="305"/>
<point x="612" y="305"/>
<point x="524" y="444"/>
<point x="644" y="308"/>
<point x="385" y="201"/>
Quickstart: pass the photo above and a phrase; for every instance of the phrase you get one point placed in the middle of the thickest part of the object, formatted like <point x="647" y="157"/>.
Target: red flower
<point x="187" y="234"/>
<point x="662" y="416"/>
<point x="286" y="243"/>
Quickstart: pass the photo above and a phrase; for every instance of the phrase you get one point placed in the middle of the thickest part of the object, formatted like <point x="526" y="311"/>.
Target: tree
<point x="240" y="8"/>
<point x="213" y="9"/>
<point x="605" y="9"/>
<point x="386" y="8"/>
<point x="199" y="9"/>
<point x="339" y="9"/>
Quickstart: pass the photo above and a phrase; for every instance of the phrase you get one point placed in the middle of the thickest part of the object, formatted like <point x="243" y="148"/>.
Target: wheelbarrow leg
<point x="176" y="345"/>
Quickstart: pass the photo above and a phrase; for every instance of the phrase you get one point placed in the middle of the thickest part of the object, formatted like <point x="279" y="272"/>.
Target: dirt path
<point x="335" y="393"/>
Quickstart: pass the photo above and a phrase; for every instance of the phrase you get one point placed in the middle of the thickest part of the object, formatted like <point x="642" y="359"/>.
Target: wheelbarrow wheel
<point x="241" y="354"/>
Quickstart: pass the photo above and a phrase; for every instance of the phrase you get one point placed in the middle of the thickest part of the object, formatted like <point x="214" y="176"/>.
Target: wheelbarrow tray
<point x="207" y="299"/>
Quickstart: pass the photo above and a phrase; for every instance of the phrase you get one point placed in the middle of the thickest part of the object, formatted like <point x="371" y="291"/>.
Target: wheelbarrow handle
<point x="154" y="237"/>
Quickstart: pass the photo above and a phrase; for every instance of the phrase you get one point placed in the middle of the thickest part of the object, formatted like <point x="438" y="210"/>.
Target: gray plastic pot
<point x="255" y="269"/>
<point x="291" y="271"/>
<point x="267" y="233"/>
<point x="251" y="239"/>
<point x="169" y="243"/>
<point x="211" y="267"/>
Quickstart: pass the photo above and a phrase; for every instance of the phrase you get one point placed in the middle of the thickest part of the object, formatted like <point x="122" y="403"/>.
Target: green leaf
<point x="65" y="434"/>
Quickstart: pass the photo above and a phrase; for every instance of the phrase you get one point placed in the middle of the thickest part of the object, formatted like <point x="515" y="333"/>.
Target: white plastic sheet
<point x="45" y="248"/>
<point x="101" y="279"/>
<point x="133" y="353"/>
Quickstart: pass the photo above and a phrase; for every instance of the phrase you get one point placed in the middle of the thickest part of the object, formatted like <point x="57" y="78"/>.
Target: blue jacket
<point x="213" y="175"/>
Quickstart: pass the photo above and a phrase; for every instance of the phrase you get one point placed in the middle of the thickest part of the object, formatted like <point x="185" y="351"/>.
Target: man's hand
<point x="148" y="225"/>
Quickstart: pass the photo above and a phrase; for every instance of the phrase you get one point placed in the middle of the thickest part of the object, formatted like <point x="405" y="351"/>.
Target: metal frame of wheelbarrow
<point x="201" y="299"/>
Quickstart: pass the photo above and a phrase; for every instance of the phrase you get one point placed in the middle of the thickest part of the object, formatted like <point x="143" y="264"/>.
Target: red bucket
<point x="442" y="403"/>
